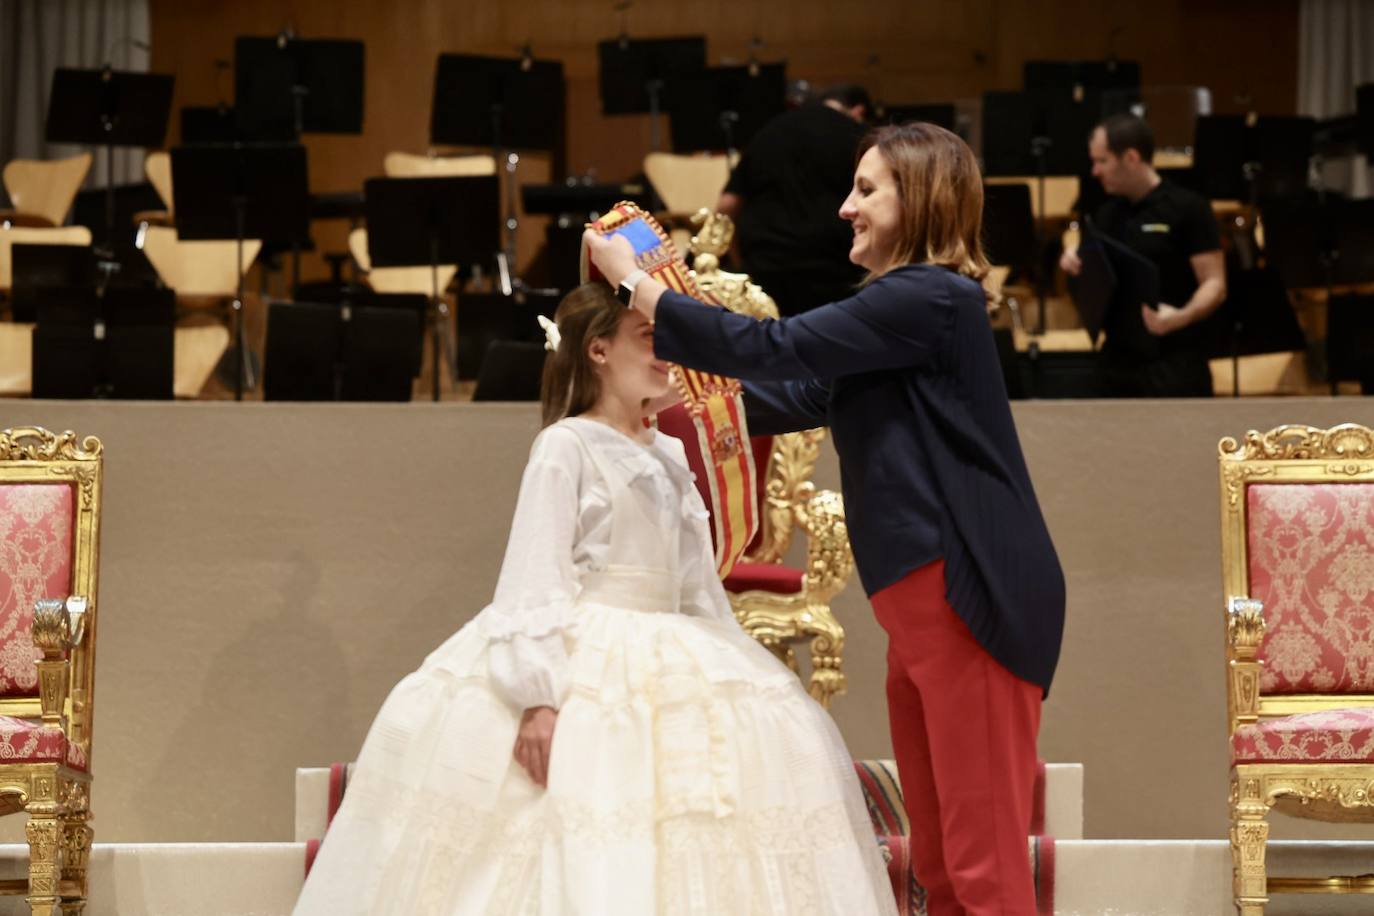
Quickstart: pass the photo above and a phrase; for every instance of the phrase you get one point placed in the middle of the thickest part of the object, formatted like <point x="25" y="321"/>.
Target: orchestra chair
<point x="1297" y="546"/>
<point x="778" y="604"/>
<point x="23" y="235"/>
<point x="412" y="165"/>
<point x="42" y="192"/>
<point x="157" y="166"/>
<point x="686" y="185"/>
<point x="397" y="279"/>
<point x="198" y="269"/>
<point x="50" y="498"/>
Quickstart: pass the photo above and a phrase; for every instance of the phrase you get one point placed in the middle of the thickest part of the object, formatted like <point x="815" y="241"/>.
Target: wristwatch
<point x="626" y="290"/>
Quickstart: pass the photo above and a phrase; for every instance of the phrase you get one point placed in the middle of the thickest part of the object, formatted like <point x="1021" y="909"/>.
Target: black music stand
<point x="1325" y="241"/>
<point x="1009" y="232"/>
<point x="1041" y="132"/>
<point x="1364" y="118"/>
<point x="286" y="86"/>
<point x="1257" y="317"/>
<point x="238" y="192"/>
<point x="486" y="318"/>
<point x="202" y="124"/>
<point x="108" y="108"/>
<point x="1236" y="160"/>
<point x="37" y="268"/>
<point x="511" y="371"/>
<point x="502" y="104"/>
<point x="115" y="344"/>
<point x="131" y="266"/>
<point x="721" y="108"/>
<point x="326" y="352"/>
<point x="636" y="76"/>
<point x="415" y="222"/>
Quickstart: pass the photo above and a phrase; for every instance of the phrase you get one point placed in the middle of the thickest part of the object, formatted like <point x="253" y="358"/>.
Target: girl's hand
<point x="534" y="741"/>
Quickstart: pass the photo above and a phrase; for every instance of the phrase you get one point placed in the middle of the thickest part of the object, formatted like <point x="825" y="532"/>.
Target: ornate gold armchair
<point x="1297" y="512"/>
<point x="781" y="605"/>
<point x="49" y="545"/>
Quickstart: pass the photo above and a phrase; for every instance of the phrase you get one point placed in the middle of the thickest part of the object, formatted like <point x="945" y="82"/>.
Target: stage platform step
<point x="1091" y="878"/>
<point x="180" y="879"/>
<point x="1063" y="801"/>
<point x="1193" y="877"/>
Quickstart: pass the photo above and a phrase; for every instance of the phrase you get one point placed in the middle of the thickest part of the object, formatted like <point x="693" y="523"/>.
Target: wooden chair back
<point x="46" y="188"/>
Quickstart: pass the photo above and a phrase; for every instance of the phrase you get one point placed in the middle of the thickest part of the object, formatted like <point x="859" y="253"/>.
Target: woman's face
<point x="875" y="211"/>
<point x="625" y="360"/>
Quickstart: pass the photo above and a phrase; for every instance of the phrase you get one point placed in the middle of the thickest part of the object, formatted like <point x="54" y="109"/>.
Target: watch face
<point x="623" y="293"/>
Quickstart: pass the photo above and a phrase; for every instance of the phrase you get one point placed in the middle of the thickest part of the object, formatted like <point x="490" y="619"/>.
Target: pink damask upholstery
<point x="1329" y="736"/>
<point x="27" y="741"/>
<point x="1311" y="562"/>
<point x="35" y="562"/>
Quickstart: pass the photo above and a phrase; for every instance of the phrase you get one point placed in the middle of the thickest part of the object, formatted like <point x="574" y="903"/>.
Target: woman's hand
<point x="614" y="256"/>
<point x="534" y="741"/>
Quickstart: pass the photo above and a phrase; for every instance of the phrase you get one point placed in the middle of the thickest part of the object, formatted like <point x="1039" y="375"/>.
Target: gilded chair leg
<point x="1249" y="834"/>
<point x="77" y="836"/>
<point x="45" y="865"/>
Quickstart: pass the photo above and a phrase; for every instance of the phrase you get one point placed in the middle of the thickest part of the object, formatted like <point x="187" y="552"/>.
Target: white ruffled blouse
<point x="562" y="531"/>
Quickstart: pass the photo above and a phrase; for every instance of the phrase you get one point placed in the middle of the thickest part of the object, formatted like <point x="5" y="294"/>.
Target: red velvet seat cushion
<point x="1330" y="736"/>
<point x="35" y="562"/>
<point x="765" y="577"/>
<point x="27" y="741"/>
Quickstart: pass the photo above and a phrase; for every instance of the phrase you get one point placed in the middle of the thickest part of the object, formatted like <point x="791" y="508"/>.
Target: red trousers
<point x="964" y="730"/>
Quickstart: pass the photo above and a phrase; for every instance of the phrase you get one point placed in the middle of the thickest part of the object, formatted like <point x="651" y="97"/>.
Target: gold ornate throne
<point x="777" y="604"/>
<point x="1297" y="513"/>
<point x="50" y="488"/>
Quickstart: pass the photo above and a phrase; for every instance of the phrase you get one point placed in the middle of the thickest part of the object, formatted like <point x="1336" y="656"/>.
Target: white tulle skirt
<point x="689" y="774"/>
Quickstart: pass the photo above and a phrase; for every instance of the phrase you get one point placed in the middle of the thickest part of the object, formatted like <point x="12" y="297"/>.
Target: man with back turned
<point x="785" y="197"/>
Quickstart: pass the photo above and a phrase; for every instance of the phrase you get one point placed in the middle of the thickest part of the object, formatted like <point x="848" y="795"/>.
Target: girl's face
<point x="874" y="209"/>
<point x="625" y="361"/>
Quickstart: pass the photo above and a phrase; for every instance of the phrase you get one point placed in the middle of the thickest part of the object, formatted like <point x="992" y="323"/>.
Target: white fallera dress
<point x="690" y="773"/>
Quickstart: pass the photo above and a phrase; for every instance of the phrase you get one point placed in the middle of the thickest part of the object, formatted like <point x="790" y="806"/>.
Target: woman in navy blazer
<point x="948" y="537"/>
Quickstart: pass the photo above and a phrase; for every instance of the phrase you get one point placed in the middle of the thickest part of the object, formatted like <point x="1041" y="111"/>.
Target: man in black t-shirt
<point x="1160" y="351"/>
<point x="785" y="197"/>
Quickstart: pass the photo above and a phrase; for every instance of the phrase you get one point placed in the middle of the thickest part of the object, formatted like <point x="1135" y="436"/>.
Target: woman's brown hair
<point x="940" y="189"/>
<point x="570" y="385"/>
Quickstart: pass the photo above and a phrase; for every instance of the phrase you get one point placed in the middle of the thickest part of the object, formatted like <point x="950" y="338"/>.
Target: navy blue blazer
<point x="906" y="375"/>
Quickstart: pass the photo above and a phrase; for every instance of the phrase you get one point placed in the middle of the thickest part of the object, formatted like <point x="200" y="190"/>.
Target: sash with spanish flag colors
<point x="712" y="401"/>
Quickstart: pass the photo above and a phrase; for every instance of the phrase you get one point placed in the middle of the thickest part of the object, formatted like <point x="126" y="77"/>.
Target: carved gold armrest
<point x="59" y="625"/>
<point x="1244" y="632"/>
<point x="829" y="558"/>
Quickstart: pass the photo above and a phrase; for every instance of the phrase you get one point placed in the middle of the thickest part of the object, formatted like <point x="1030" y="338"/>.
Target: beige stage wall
<point x="269" y="571"/>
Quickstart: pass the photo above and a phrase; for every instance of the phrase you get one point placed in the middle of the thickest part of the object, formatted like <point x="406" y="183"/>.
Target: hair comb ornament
<point x="551" y="336"/>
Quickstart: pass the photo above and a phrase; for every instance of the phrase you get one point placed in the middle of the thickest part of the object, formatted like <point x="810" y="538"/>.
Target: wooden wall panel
<point x="903" y="50"/>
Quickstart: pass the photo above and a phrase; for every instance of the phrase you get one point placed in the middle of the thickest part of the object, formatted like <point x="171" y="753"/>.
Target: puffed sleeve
<point x="533" y="606"/>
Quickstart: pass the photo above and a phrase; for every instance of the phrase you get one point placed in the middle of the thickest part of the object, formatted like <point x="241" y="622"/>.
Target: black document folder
<point x="1113" y="277"/>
